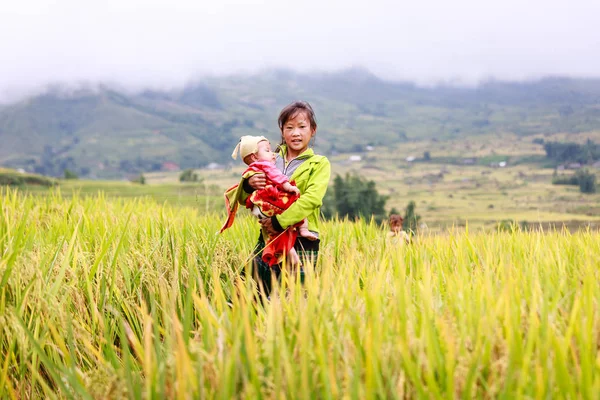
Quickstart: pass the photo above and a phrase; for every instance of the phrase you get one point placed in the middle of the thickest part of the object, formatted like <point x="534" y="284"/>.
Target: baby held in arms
<point x="277" y="196"/>
<point x="263" y="159"/>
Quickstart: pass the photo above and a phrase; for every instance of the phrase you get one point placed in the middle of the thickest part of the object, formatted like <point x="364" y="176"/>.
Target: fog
<point x="159" y="43"/>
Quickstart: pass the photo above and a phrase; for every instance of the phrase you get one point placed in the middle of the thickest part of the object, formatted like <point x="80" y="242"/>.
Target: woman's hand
<point x="257" y="181"/>
<point x="267" y="226"/>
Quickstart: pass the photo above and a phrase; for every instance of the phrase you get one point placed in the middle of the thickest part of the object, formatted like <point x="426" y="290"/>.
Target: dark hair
<point x="291" y="110"/>
<point x="396" y="217"/>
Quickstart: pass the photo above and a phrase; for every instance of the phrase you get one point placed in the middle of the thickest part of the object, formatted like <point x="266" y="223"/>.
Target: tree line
<point x="582" y="178"/>
<point x="565" y="152"/>
<point x="355" y="197"/>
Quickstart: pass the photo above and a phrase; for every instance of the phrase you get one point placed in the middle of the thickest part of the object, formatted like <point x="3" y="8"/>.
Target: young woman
<point x="311" y="172"/>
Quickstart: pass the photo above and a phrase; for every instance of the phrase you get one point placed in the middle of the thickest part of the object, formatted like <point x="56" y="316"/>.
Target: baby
<point x="275" y="198"/>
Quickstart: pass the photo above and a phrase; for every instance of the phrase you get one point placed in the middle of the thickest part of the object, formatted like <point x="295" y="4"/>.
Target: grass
<point x="446" y="195"/>
<point x="208" y="199"/>
<point x="9" y="177"/>
<point x="127" y="298"/>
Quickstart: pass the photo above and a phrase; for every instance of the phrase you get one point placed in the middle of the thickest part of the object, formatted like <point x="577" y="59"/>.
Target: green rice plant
<point x="126" y="298"/>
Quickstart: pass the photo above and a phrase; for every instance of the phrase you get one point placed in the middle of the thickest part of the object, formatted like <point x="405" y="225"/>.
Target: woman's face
<point x="297" y="134"/>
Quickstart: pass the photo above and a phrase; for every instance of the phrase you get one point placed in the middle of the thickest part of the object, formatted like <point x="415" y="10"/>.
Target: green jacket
<point x="312" y="178"/>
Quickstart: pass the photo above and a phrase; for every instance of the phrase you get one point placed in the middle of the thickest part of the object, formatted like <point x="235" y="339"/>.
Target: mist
<point x="164" y="44"/>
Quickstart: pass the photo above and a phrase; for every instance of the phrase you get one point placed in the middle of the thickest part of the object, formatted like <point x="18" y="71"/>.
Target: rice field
<point x="108" y="298"/>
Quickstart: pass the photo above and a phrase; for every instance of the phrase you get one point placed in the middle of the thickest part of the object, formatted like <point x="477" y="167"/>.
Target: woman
<point x="311" y="172"/>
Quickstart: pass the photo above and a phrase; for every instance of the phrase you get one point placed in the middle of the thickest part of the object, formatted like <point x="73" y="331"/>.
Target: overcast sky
<point x="162" y="43"/>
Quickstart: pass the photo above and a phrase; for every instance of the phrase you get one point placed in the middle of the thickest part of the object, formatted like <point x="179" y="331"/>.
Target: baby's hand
<point x="288" y="187"/>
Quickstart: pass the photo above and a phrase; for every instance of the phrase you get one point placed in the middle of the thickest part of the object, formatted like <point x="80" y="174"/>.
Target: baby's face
<point x="264" y="152"/>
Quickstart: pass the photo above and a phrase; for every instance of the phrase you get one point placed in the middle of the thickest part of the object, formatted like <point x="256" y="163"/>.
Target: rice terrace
<point x="116" y="284"/>
<point x="120" y="296"/>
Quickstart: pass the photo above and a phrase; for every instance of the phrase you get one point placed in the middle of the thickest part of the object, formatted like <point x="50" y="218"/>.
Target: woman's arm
<point x="255" y="182"/>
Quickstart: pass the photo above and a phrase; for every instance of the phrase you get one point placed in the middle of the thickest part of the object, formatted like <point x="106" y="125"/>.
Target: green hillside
<point x="9" y="177"/>
<point x="110" y="134"/>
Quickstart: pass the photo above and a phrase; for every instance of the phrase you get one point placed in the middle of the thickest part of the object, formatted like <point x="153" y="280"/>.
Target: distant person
<point x="311" y="172"/>
<point x="276" y="197"/>
<point x="396" y="231"/>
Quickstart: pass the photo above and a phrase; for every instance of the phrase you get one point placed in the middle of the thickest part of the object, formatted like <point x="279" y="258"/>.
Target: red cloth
<point x="234" y="193"/>
<point x="272" y="200"/>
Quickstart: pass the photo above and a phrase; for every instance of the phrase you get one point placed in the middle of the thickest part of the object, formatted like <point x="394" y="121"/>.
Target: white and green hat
<point x="247" y="145"/>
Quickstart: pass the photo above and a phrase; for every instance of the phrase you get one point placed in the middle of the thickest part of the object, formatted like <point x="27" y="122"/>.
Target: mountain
<point x="105" y="132"/>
